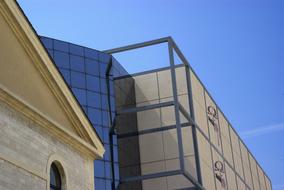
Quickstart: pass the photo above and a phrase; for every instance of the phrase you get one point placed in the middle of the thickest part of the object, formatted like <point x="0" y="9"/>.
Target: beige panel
<point x="153" y="167"/>
<point x="200" y="117"/>
<point x="149" y="119"/>
<point x="254" y="173"/>
<point x="241" y="184"/>
<point x="231" y="177"/>
<point x="207" y="176"/>
<point x="247" y="171"/>
<point x="227" y="150"/>
<point x="165" y="84"/>
<point x="178" y="182"/>
<point x="236" y="153"/>
<point x="268" y="184"/>
<point x="146" y="87"/>
<point x="203" y="144"/>
<point x="224" y="128"/>
<point x="151" y="147"/>
<point x="190" y="166"/>
<point x="261" y="178"/>
<point x="155" y="184"/>
<point x="181" y="81"/>
<point x="171" y="143"/>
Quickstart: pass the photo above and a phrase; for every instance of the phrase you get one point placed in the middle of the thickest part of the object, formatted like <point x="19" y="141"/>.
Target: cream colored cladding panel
<point x="254" y="173"/>
<point x="227" y="151"/>
<point x="268" y="184"/>
<point x="199" y="103"/>
<point x="261" y="178"/>
<point x="146" y="87"/>
<point x="207" y="175"/>
<point x="247" y="172"/>
<point x="241" y="185"/>
<point x="153" y="167"/>
<point x="155" y="184"/>
<point x="151" y="147"/>
<point x="165" y="84"/>
<point x="181" y="81"/>
<point x="231" y="178"/>
<point x="171" y="143"/>
<point x="203" y="144"/>
<point x="236" y="153"/>
<point x="219" y="171"/>
<point x="224" y="125"/>
<point x="149" y="119"/>
<point x="213" y="121"/>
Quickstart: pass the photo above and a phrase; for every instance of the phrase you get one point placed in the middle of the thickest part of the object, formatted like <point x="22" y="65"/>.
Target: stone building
<point x="46" y="140"/>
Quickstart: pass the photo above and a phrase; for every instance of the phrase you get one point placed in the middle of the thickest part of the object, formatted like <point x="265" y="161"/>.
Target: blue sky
<point x="235" y="46"/>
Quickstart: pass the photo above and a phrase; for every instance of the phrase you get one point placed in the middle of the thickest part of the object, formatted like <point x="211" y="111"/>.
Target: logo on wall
<point x="213" y="119"/>
<point x="220" y="173"/>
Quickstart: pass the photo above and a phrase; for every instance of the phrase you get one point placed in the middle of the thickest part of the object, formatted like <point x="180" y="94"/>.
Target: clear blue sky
<point x="235" y="46"/>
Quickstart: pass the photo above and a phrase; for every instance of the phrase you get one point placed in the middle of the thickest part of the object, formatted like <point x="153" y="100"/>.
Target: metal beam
<point x="193" y="180"/>
<point x="138" y="45"/>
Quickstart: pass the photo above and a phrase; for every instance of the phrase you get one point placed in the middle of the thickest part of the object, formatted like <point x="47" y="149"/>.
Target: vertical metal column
<point x="176" y="105"/>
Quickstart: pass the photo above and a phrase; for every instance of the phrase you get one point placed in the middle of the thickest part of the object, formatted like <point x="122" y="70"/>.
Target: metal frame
<point x="172" y="47"/>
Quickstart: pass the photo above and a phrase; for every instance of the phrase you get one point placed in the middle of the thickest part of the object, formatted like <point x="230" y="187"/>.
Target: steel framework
<point x="172" y="47"/>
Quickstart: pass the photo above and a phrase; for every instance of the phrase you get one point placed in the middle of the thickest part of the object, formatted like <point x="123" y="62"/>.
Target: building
<point x="161" y="129"/>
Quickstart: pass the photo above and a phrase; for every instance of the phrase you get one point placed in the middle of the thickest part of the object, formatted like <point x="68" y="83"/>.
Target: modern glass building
<point x="161" y="128"/>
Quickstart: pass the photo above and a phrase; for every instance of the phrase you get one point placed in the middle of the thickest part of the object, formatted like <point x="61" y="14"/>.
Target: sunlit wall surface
<point x="225" y="162"/>
<point x="84" y="70"/>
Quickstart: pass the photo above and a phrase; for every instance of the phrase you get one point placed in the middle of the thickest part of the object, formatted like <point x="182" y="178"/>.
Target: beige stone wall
<point x="26" y="151"/>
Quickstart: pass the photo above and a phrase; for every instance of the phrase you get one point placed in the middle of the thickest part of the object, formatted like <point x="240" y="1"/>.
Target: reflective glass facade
<point x="84" y="70"/>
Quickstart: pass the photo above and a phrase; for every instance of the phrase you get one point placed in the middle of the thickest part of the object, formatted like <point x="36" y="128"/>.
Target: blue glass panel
<point x="78" y="80"/>
<point x="115" y="154"/>
<point x="80" y="95"/>
<point x="108" y="185"/>
<point x="112" y="103"/>
<point x="50" y="52"/>
<point x="93" y="83"/>
<point x="99" y="130"/>
<point x="99" y="168"/>
<point x="61" y="59"/>
<point x="104" y="102"/>
<point x="90" y="53"/>
<point x="114" y="139"/>
<point x="94" y="99"/>
<point x="108" y="170"/>
<point x="47" y="42"/>
<point x="116" y="171"/>
<point x="111" y="88"/>
<point x="66" y="75"/>
<point x="103" y="68"/>
<point x="105" y="118"/>
<point x="76" y="50"/>
<point x="92" y="67"/>
<point x="106" y="135"/>
<point x="103" y="57"/>
<point x="62" y="46"/>
<point x="107" y="153"/>
<point x="85" y="109"/>
<point x="95" y="116"/>
<point x="103" y="86"/>
<point x="99" y="184"/>
<point x="77" y="63"/>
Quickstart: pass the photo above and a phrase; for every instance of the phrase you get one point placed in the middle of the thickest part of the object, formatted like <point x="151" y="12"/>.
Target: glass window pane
<point x="77" y="63"/>
<point x="99" y="131"/>
<point x="50" y="52"/>
<point x="94" y="99"/>
<point x="104" y="102"/>
<point x="108" y="185"/>
<point x="76" y="50"/>
<point x="99" y="168"/>
<point x="99" y="184"/>
<point x="62" y="46"/>
<point x="95" y="116"/>
<point x="103" y="68"/>
<point x="106" y="135"/>
<point x="78" y="80"/>
<point x="61" y="59"/>
<point x="47" y="42"/>
<point x="103" y="57"/>
<point x="93" y="83"/>
<point x="90" y="53"/>
<point x="66" y="75"/>
<point x="103" y="86"/>
<point x="107" y="153"/>
<point x="108" y="170"/>
<point x="80" y="95"/>
<point x="92" y="67"/>
<point x="105" y="118"/>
